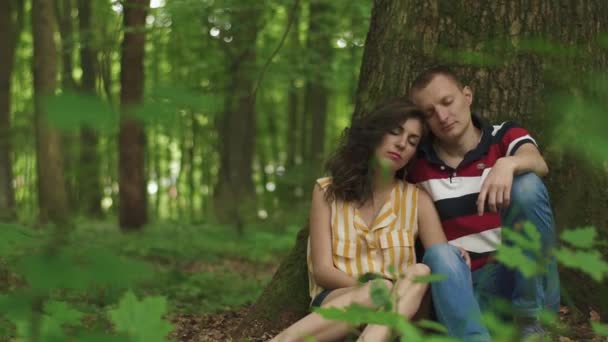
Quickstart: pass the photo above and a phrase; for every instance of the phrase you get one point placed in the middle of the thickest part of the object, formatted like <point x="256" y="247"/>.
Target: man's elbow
<point x="544" y="169"/>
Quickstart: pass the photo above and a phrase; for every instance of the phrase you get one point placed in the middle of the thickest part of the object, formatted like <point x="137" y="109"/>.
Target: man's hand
<point x="496" y="188"/>
<point x="465" y="255"/>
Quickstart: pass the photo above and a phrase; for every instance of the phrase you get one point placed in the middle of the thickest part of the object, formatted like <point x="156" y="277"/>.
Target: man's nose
<point x="442" y="113"/>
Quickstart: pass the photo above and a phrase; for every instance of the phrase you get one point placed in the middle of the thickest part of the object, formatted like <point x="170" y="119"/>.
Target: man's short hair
<point x="425" y="77"/>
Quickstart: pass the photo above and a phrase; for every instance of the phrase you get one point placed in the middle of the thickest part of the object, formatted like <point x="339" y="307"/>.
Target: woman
<point x="365" y="219"/>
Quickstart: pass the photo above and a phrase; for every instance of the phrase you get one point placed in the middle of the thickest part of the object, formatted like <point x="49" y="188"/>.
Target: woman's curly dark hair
<point x="350" y="165"/>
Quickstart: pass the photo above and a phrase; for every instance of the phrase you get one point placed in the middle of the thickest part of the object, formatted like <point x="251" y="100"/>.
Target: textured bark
<point x="11" y="19"/>
<point x="131" y="180"/>
<point x="285" y="299"/>
<point x="407" y="36"/>
<point x="234" y="195"/>
<point x="320" y="33"/>
<point x="52" y="196"/>
<point x="90" y="164"/>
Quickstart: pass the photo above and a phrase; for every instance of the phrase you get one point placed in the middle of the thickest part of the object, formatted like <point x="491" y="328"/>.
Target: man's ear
<point x="468" y="93"/>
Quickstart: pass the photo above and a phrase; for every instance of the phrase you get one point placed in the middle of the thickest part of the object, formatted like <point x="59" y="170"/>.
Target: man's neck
<point x="455" y="151"/>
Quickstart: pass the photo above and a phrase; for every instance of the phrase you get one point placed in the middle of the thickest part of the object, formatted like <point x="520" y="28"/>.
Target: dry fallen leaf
<point x="594" y="316"/>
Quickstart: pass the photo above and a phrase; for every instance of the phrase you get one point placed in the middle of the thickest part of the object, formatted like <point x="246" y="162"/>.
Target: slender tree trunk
<point x="90" y="164"/>
<point x="52" y="196"/>
<point x="234" y="196"/>
<point x="191" y="152"/>
<point x="157" y="171"/>
<point x="69" y="139"/>
<point x="293" y="93"/>
<point x="320" y="32"/>
<point x="132" y="179"/>
<point x="11" y="20"/>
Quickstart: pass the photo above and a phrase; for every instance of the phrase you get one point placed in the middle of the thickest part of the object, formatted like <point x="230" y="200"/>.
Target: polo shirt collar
<point x="428" y="152"/>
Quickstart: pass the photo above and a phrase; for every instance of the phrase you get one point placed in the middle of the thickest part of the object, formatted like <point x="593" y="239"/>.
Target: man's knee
<point x="528" y="190"/>
<point x="443" y="258"/>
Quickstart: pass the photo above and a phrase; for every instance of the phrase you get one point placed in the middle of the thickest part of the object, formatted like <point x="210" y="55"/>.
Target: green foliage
<point x="71" y="110"/>
<point x="521" y="250"/>
<point x="582" y="237"/>
<point x="55" y="316"/>
<point x="381" y="295"/>
<point x="599" y="328"/>
<point x="590" y="262"/>
<point x="141" y="320"/>
<point x="80" y="270"/>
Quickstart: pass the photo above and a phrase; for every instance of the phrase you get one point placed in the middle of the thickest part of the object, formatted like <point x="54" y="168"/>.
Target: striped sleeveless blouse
<point x="358" y="249"/>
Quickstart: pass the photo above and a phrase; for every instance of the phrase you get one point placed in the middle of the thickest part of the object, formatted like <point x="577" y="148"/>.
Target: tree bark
<point x="90" y="164"/>
<point x="234" y="195"/>
<point x="132" y="180"/>
<point x="69" y="139"/>
<point x="52" y="196"/>
<point x="320" y="32"/>
<point x="405" y="37"/>
<point x="11" y="21"/>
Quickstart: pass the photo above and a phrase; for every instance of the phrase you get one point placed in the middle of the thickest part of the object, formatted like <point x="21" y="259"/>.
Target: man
<point x="483" y="179"/>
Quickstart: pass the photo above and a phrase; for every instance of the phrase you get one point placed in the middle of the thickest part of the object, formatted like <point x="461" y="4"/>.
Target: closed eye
<point x="396" y="131"/>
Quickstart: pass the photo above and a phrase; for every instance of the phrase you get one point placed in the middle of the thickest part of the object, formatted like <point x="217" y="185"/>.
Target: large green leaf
<point x="73" y="269"/>
<point x="581" y="237"/>
<point x="55" y="316"/>
<point x="590" y="262"/>
<point x="141" y="320"/>
<point x="514" y="257"/>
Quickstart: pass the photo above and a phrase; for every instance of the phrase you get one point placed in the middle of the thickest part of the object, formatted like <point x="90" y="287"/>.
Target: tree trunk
<point x="407" y="36"/>
<point x="285" y="299"/>
<point x="90" y="164"/>
<point x="11" y="20"/>
<point x="234" y="196"/>
<point x="69" y="139"/>
<point x="52" y="196"/>
<point x="320" y="32"/>
<point x="132" y="180"/>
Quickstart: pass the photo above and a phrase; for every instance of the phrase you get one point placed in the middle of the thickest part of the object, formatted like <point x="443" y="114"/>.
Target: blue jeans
<point x="453" y="298"/>
<point x="528" y="296"/>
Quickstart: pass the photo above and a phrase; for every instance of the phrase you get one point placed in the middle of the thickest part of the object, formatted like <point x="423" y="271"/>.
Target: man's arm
<point x="496" y="189"/>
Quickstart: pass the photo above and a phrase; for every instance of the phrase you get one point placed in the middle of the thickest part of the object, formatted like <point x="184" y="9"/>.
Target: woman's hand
<point x="465" y="255"/>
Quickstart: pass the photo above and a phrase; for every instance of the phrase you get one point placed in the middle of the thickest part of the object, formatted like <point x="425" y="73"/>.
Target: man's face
<point x="447" y="108"/>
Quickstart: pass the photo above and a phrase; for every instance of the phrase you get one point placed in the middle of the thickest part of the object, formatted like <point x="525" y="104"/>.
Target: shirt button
<point x="442" y="167"/>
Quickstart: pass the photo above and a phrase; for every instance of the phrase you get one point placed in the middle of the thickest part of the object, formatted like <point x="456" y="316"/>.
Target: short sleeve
<point x="511" y="137"/>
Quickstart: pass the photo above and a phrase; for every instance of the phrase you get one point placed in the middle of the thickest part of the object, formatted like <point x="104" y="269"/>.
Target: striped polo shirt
<point x="455" y="190"/>
<point x="358" y="249"/>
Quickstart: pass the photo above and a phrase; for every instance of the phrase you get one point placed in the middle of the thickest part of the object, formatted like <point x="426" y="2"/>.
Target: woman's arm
<point x="325" y="273"/>
<point x="429" y="224"/>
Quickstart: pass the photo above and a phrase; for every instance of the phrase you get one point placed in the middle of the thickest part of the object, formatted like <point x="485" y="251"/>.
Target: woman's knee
<point x="419" y="270"/>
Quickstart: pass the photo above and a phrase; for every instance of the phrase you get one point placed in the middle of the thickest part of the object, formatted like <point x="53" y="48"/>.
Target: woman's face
<point x="399" y="145"/>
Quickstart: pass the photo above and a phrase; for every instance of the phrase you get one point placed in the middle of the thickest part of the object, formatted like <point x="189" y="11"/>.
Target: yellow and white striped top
<point x="358" y="249"/>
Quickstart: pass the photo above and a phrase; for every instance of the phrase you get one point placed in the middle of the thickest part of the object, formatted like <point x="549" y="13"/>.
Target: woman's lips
<point x="394" y="155"/>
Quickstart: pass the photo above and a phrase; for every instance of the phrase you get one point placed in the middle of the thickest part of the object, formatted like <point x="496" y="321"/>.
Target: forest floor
<point x="220" y="326"/>
<point x="209" y="274"/>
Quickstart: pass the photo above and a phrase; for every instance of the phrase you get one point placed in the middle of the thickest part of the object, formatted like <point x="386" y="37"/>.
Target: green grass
<point x="199" y="268"/>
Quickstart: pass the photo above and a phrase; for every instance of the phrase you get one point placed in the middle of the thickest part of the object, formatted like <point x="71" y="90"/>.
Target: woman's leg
<point x="409" y="297"/>
<point x="327" y="330"/>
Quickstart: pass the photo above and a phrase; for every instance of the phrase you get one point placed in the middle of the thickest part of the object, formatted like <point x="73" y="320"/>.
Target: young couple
<point x="466" y="181"/>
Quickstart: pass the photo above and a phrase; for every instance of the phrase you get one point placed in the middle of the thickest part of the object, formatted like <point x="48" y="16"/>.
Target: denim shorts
<point x="318" y="300"/>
